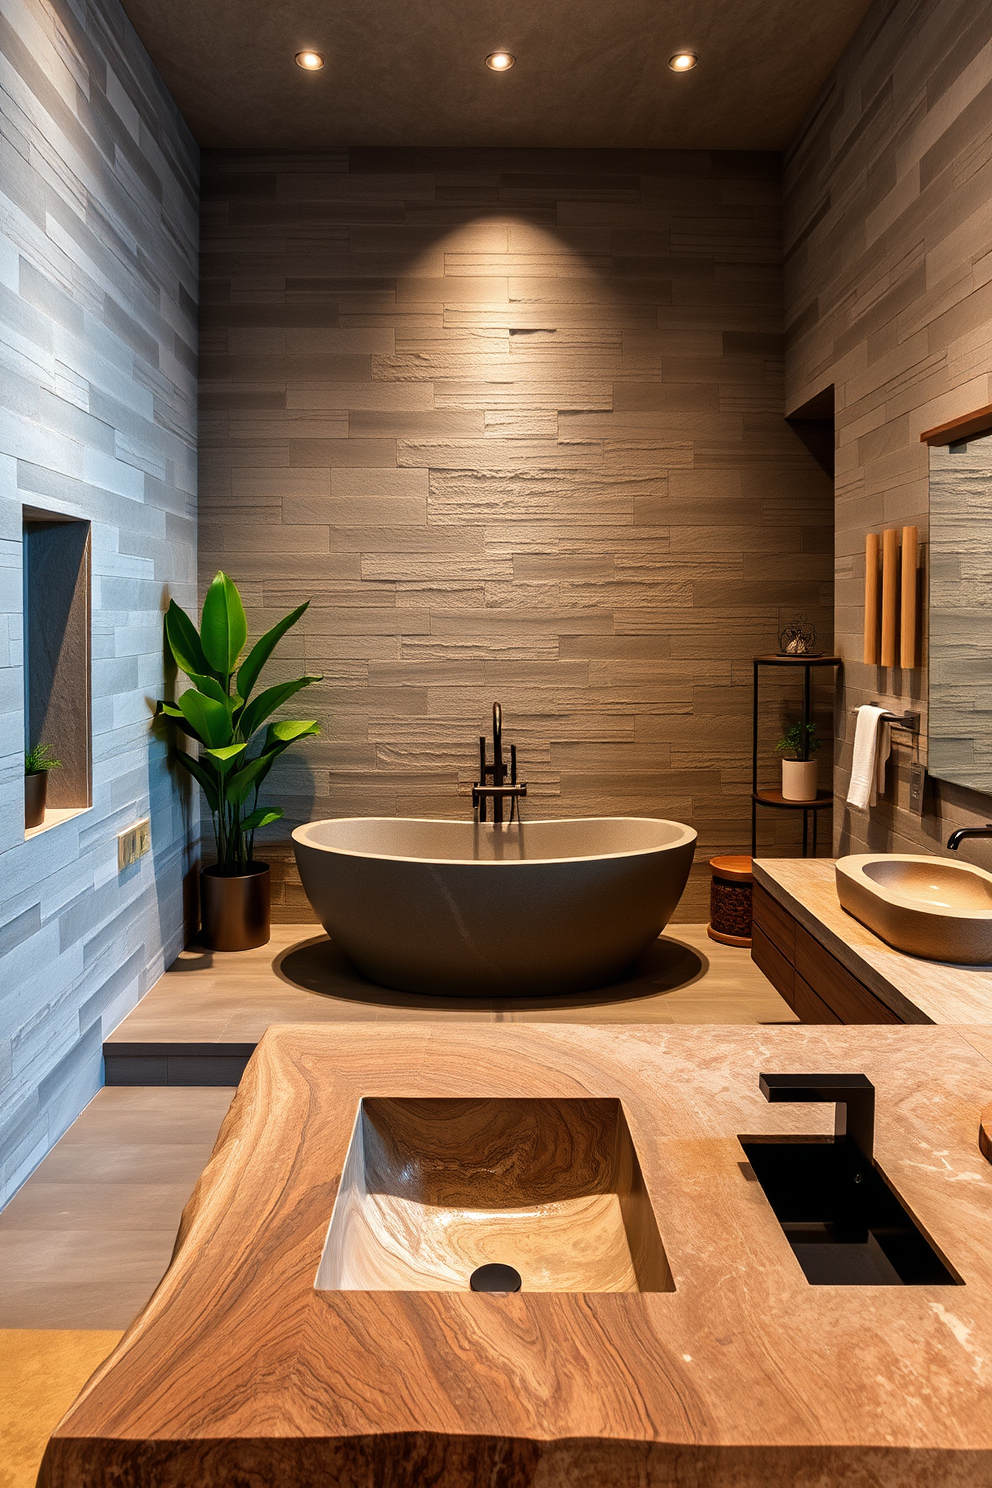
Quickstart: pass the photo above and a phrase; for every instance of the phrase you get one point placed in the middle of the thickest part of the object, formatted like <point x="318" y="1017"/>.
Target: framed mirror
<point x="960" y="629"/>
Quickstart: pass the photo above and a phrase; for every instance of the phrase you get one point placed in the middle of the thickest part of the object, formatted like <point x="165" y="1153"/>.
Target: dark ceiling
<point x="411" y="72"/>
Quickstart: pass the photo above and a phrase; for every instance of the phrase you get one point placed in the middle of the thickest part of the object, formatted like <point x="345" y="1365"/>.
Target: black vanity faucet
<point x="853" y="1095"/>
<point x="496" y="772"/>
<point x="956" y="838"/>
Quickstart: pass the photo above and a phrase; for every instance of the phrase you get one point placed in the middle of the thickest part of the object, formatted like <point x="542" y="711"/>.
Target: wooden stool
<point x="730" y="901"/>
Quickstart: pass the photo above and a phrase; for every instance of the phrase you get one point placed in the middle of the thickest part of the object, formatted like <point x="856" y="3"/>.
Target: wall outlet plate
<point x="133" y="844"/>
<point x="917" y="787"/>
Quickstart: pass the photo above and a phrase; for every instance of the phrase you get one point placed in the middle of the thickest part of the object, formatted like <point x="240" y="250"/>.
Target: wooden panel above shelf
<point x="968" y="426"/>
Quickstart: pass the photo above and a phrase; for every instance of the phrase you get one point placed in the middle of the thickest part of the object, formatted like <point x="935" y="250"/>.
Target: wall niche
<point x="57" y="654"/>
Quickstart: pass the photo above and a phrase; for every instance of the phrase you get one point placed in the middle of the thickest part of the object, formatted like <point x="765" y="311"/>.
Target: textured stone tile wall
<point x="888" y="246"/>
<point x="513" y="419"/>
<point x="98" y="224"/>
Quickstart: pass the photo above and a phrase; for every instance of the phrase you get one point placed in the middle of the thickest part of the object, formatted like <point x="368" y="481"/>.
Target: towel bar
<point x="908" y="721"/>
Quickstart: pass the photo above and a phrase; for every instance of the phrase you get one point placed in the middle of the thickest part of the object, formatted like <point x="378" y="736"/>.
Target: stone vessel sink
<point x="923" y="905"/>
<point x="433" y="1189"/>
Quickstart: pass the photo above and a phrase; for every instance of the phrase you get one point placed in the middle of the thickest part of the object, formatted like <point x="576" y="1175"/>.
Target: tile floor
<point x="85" y="1242"/>
<point x="208" y="997"/>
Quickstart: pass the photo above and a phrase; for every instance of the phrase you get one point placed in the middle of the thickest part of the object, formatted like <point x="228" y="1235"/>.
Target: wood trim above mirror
<point x="969" y="426"/>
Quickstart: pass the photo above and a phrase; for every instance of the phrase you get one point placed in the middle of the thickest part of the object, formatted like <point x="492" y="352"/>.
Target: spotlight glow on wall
<point x="309" y="61"/>
<point x="683" y="61"/>
<point x="500" y="61"/>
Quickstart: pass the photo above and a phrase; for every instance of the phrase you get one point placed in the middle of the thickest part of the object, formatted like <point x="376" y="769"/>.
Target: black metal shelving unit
<point x="766" y="796"/>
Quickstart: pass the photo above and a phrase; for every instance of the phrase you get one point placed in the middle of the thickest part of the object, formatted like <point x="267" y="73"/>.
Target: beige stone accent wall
<point x="513" y="419"/>
<point x="888" y="251"/>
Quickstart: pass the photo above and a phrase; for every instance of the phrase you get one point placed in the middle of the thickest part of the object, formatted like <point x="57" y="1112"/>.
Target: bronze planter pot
<point x="35" y="799"/>
<point x="235" y="911"/>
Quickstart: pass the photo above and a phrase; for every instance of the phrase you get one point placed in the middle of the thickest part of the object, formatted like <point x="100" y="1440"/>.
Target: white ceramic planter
<point x="799" y="780"/>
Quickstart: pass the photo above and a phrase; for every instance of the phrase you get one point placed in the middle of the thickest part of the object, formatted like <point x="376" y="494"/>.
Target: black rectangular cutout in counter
<point x="845" y="1224"/>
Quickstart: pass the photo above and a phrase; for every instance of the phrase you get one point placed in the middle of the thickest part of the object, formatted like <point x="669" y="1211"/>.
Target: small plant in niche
<point x="225" y="716"/>
<point x="799" y="742"/>
<point x="37" y="763"/>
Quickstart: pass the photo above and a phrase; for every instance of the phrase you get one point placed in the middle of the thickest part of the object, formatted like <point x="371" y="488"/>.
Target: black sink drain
<point x="495" y="1278"/>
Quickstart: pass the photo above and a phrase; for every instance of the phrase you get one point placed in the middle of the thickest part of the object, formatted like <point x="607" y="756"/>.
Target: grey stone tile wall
<point x="888" y="247"/>
<point x="98" y="292"/>
<point x="513" y="419"/>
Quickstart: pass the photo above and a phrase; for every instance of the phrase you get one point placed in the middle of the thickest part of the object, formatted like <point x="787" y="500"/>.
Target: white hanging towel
<point x="872" y="743"/>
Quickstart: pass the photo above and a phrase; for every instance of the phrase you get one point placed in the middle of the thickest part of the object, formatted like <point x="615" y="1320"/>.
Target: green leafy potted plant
<point x="799" y="771"/>
<point x="225" y="716"/>
<point x="37" y="764"/>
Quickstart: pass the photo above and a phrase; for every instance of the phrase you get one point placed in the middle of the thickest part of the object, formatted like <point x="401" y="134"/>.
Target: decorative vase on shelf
<point x="35" y="799"/>
<point x="37" y="763"/>
<point x="798" y="780"/>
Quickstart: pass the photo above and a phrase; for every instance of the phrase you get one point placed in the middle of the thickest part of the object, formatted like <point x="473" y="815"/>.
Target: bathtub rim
<point x="687" y="838"/>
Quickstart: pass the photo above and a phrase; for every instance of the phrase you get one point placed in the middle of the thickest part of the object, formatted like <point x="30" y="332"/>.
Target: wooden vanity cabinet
<point x="812" y="981"/>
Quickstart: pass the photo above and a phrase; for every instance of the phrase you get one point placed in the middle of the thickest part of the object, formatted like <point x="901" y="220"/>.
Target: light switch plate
<point x="917" y="787"/>
<point x="133" y="844"/>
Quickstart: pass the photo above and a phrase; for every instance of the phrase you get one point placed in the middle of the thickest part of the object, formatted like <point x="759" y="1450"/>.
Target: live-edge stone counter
<point x="832" y="969"/>
<point x="733" y="1372"/>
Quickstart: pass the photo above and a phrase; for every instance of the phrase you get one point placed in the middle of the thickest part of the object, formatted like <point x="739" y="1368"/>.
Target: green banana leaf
<point x="223" y="627"/>
<point x="226" y="755"/>
<point x="202" y="776"/>
<point x="237" y="787"/>
<point x="261" y="817"/>
<point x="288" y="730"/>
<point x="176" y="715"/>
<point x="261" y="651"/>
<point x="210" y="687"/>
<point x="254" y="714"/>
<point x="278" y="738"/>
<point x="210" y="718"/>
<point x="183" y="641"/>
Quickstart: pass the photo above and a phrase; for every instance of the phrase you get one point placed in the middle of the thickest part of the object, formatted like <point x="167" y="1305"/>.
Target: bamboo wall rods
<point x="890" y="599"/>
<point x="872" y="547"/>
<point x="890" y="595"/>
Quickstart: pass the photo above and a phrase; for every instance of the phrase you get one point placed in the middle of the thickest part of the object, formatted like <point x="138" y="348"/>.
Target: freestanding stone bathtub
<point x="456" y="907"/>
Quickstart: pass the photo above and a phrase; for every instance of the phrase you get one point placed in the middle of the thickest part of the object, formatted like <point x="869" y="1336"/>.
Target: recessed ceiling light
<point x="500" y="61"/>
<point x="683" y="61"/>
<point x="310" y="61"/>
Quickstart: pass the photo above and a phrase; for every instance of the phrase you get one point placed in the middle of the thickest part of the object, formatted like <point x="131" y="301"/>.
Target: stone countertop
<point x="743" y="1375"/>
<point x="918" y="991"/>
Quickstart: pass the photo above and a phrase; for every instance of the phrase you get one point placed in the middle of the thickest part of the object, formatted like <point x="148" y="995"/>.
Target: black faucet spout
<point x="956" y="838"/>
<point x="498" y="771"/>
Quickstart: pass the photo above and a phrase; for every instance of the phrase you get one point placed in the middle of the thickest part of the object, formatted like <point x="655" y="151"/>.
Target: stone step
<point x="175" y="1063"/>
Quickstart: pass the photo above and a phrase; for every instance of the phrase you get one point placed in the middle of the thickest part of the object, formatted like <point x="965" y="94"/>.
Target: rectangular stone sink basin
<point x="923" y="905"/>
<point x="434" y="1189"/>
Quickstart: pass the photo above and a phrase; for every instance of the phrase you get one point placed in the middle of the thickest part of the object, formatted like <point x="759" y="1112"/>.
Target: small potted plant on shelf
<point x="36" y="767"/>
<point x="799" y="771"/>
<point x="224" y="715"/>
